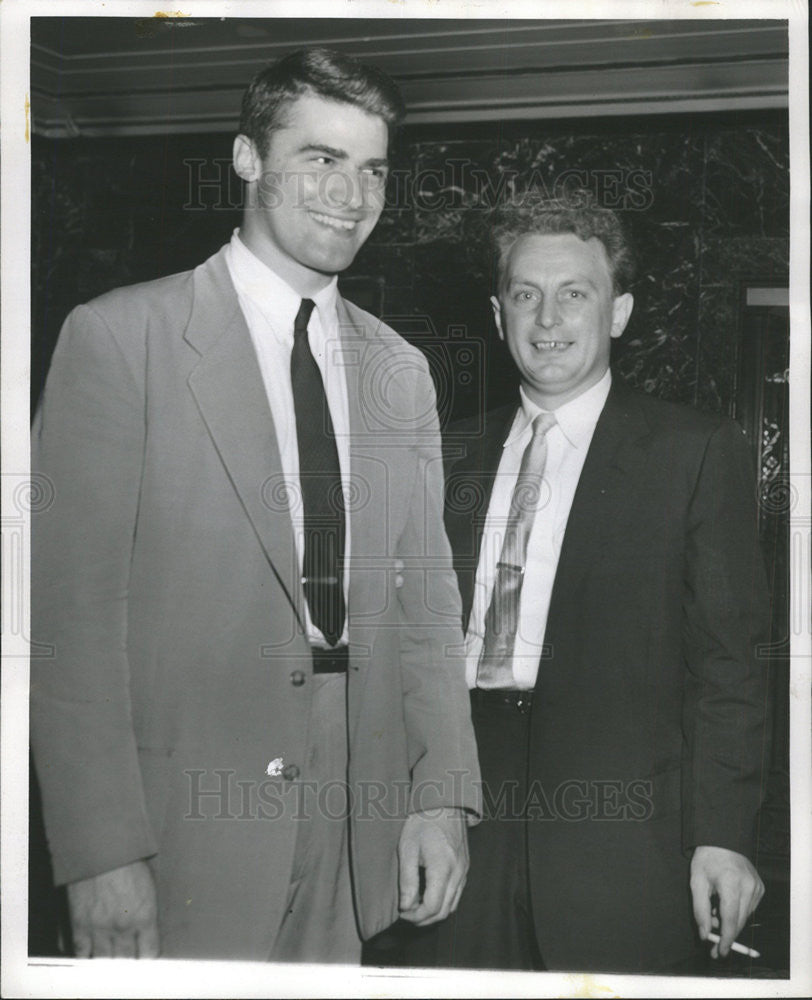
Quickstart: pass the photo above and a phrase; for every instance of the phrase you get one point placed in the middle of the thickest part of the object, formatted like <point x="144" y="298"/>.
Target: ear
<point x="497" y="315"/>
<point x="621" y="311"/>
<point x="247" y="161"/>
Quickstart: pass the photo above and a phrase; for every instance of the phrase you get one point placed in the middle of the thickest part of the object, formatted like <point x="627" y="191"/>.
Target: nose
<point x="547" y="313"/>
<point x="345" y="189"/>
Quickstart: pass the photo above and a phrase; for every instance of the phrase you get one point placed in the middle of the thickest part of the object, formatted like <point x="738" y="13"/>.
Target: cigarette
<point x="740" y="948"/>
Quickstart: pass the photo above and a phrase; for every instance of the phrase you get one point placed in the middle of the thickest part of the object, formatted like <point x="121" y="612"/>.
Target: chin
<point x="332" y="263"/>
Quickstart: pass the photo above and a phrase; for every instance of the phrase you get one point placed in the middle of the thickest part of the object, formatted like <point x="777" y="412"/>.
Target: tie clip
<point x="511" y="566"/>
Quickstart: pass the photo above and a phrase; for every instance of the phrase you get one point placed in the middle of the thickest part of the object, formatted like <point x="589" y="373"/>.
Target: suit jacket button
<point x="290" y="772"/>
<point x="297" y="678"/>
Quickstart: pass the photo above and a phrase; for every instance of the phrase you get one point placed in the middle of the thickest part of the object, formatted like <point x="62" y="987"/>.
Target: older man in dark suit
<point x="251" y="736"/>
<point x="613" y="599"/>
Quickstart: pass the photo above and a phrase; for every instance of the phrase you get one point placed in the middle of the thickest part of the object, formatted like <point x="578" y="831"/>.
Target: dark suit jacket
<point x="165" y="581"/>
<point x="648" y="729"/>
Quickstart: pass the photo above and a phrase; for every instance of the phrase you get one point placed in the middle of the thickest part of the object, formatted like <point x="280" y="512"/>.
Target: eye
<point x="524" y="295"/>
<point x="376" y="175"/>
<point x="323" y="160"/>
<point x="573" y="294"/>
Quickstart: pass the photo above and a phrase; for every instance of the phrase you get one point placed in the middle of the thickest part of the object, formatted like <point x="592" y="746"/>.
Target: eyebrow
<point x="562" y="284"/>
<point x="340" y="154"/>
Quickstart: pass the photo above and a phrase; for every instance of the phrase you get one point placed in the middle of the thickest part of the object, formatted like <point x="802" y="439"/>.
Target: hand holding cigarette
<point x="716" y="871"/>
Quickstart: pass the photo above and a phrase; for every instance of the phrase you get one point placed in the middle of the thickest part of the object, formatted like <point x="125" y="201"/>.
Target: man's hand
<point x="115" y="914"/>
<point x="436" y="840"/>
<point x="738" y="886"/>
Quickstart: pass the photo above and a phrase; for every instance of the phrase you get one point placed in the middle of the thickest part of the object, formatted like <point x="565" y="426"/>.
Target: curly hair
<point x="534" y="212"/>
<point x="321" y="71"/>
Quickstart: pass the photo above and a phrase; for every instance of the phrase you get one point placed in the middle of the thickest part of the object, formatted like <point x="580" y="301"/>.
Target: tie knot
<point x="303" y="316"/>
<point x="542" y="423"/>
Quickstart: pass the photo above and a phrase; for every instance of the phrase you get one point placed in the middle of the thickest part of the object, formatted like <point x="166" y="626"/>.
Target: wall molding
<point x="121" y="76"/>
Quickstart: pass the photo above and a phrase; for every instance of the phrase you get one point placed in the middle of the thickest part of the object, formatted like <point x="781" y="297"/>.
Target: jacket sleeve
<point x="88" y="441"/>
<point x="726" y="626"/>
<point x="441" y="745"/>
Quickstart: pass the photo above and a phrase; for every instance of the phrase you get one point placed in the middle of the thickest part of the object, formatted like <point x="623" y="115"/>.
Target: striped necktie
<point x="495" y="668"/>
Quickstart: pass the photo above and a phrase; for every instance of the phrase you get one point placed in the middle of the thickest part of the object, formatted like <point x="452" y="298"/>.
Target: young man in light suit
<point x="614" y="599"/>
<point x="251" y="735"/>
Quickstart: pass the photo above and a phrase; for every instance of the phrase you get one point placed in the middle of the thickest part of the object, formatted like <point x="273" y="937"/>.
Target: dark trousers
<point x="493" y="925"/>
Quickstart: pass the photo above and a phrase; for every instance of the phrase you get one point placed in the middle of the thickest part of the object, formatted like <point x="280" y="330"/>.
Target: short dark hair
<point x="321" y="71"/>
<point x="533" y="211"/>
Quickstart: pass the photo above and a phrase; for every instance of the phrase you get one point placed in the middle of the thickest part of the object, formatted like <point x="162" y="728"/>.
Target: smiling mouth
<point x="340" y="225"/>
<point x="551" y="345"/>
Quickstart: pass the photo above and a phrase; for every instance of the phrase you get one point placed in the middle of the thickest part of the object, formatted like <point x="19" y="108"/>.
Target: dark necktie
<point x="495" y="667"/>
<point x="320" y="479"/>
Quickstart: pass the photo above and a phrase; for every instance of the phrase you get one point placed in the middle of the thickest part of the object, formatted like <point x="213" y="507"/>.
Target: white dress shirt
<point x="567" y="444"/>
<point x="270" y="305"/>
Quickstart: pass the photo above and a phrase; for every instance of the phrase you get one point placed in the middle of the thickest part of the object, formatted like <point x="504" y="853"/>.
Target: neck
<point x="303" y="280"/>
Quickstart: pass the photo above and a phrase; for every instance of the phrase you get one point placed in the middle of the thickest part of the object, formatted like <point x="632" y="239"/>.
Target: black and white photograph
<point x="406" y="499"/>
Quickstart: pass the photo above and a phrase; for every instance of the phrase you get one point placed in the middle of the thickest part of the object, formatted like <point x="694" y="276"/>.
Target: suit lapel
<point x="606" y="477"/>
<point x="228" y="388"/>
<point x="351" y="357"/>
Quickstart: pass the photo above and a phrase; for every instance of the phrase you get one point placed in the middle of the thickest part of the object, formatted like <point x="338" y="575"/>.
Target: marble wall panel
<point x="655" y="173"/>
<point x="736" y="258"/>
<point x="394" y="261"/>
<point x="395" y="226"/>
<point x="747" y="183"/>
<point x="666" y="183"/>
<point x="717" y="347"/>
<point x="728" y="265"/>
<point x="658" y="350"/>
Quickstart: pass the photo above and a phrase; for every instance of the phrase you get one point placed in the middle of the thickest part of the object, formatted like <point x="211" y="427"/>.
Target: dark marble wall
<point x="706" y="203"/>
<point x="705" y="199"/>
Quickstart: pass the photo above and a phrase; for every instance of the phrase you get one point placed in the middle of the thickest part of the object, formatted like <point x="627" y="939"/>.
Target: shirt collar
<point x="576" y="419"/>
<point x="272" y="294"/>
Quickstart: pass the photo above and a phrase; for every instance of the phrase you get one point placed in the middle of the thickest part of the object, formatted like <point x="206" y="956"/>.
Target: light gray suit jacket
<point x="165" y="579"/>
